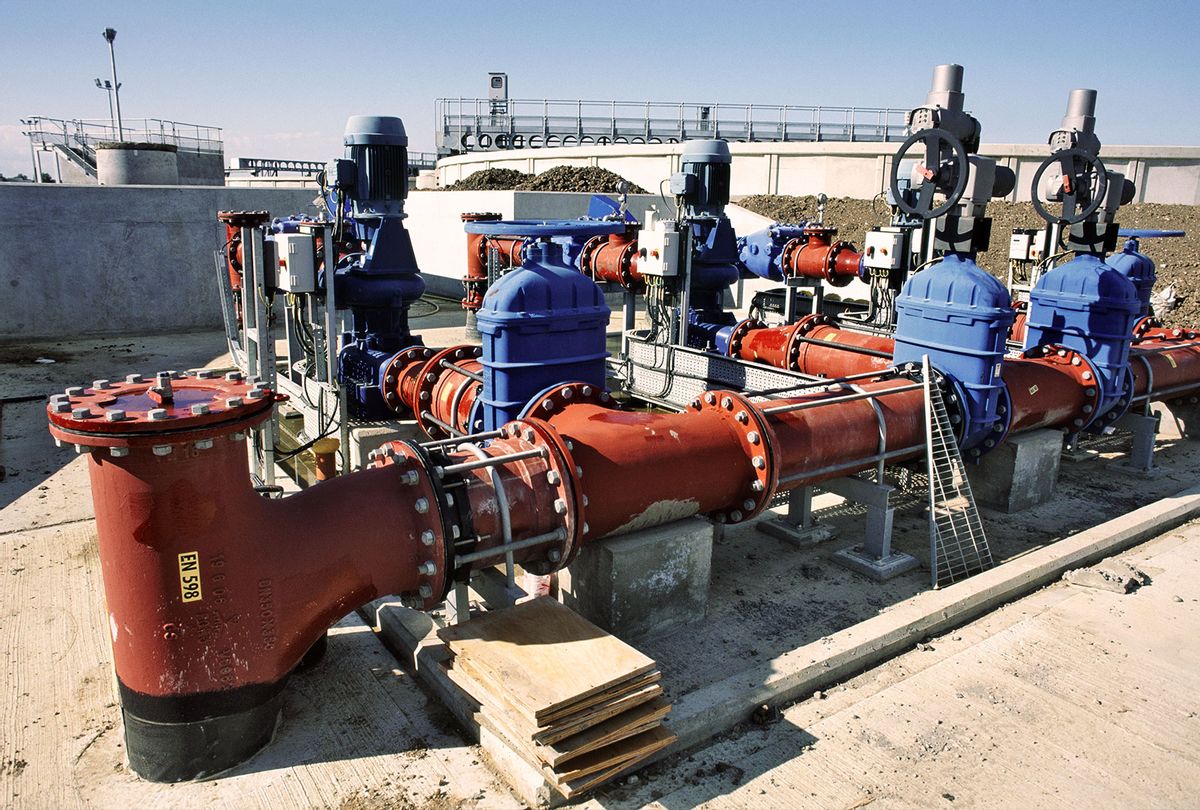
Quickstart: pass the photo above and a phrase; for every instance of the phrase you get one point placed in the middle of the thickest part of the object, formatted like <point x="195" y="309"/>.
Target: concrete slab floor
<point x="1069" y="697"/>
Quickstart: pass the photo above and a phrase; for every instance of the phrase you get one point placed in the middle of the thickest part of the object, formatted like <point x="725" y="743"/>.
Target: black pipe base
<point x="183" y="751"/>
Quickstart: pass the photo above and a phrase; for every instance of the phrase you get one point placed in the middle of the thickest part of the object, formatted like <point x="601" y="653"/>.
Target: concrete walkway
<point x="1071" y="697"/>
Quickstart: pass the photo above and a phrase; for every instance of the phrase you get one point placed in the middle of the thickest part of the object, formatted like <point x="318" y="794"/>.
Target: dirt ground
<point x="1177" y="259"/>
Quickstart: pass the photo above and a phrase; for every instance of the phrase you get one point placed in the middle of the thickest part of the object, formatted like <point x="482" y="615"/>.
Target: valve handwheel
<point x="936" y="142"/>
<point x="1079" y="171"/>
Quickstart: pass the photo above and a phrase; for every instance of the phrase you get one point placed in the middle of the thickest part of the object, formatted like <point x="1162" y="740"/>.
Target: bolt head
<point x="162" y="449"/>
<point x="586" y="390"/>
<point x="547" y="405"/>
<point x="552" y="478"/>
<point x="425" y="591"/>
<point x="234" y="402"/>
<point x="727" y="403"/>
<point x="560" y="506"/>
<point x="710" y="398"/>
<point x="61" y="407"/>
<point x="134" y="378"/>
<point x="235" y="376"/>
<point x="752" y="437"/>
<point x="742" y="417"/>
<point x="759" y="462"/>
<point x="427" y="537"/>
<point x="757" y="486"/>
<point x="605" y="396"/>
<point x="567" y="393"/>
<point x="205" y="374"/>
<point x="529" y="435"/>
<point x="118" y="452"/>
<point x="199" y="409"/>
<point x="421" y="505"/>
<point x="586" y="528"/>
<point x="74" y="391"/>
<point x="156" y="414"/>
<point x="82" y="413"/>
<point x="237" y="437"/>
<point x="101" y="385"/>
<point x="430" y="377"/>
<point x="748" y="505"/>
<point x="114" y="415"/>
<point x="80" y="449"/>
<point x="428" y="568"/>
<point x="204" y="444"/>
<point x="554" y="555"/>
<point x="735" y="516"/>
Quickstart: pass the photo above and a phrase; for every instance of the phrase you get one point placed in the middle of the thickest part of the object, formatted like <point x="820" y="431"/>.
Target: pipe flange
<point x="390" y="376"/>
<point x="758" y="442"/>
<point x="183" y="406"/>
<point x="558" y="397"/>
<point x="244" y="219"/>
<point x="800" y="329"/>
<point x="953" y="396"/>
<point x="427" y="495"/>
<point x="739" y="333"/>
<point x="564" y="475"/>
<point x="586" y="255"/>
<point x="1121" y="407"/>
<point x="831" y="275"/>
<point x="787" y="253"/>
<point x="1084" y="372"/>
<point x="427" y="381"/>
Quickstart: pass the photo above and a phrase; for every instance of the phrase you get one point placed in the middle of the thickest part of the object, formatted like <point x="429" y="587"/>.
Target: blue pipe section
<point x="760" y="252"/>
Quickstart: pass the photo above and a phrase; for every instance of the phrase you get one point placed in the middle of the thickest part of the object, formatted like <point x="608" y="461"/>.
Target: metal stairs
<point x="958" y="545"/>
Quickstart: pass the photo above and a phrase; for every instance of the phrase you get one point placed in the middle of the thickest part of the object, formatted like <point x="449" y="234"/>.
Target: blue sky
<point x="281" y="78"/>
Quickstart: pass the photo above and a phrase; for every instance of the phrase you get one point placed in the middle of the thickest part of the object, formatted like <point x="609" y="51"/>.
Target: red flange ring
<point x="801" y="329"/>
<point x="174" y="408"/>
<point x="758" y="442"/>
<point x="740" y="330"/>
<point x="427" y="500"/>
<point x="392" y="372"/>
<point x="558" y="397"/>
<point x="1081" y="368"/>
<point x="430" y="373"/>
<point x="564" y="477"/>
<point x="585" y="255"/>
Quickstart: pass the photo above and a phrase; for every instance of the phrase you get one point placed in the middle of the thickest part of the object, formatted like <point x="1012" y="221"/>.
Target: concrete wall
<point x="1163" y="174"/>
<point x="97" y="260"/>
<point x="201" y="168"/>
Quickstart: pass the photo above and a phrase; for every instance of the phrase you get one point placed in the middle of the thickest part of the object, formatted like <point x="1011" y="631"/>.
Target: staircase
<point x="958" y="545"/>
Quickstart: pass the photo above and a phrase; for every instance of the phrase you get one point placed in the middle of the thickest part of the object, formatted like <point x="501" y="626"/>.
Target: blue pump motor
<point x="1089" y="306"/>
<point x="959" y="315"/>
<point x="541" y="325"/>
<point x="759" y="253"/>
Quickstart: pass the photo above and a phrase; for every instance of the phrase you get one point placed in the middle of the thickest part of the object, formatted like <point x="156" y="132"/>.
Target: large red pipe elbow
<point x="214" y="593"/>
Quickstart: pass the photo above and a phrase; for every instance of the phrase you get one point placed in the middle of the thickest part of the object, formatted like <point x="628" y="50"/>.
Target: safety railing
<point x="82" y="134"/>
<point x="474" y="124"/>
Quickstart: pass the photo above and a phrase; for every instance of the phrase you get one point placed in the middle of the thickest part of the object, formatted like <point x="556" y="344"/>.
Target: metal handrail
<point x="75" y="133"/>
<point x="476" y="124"/>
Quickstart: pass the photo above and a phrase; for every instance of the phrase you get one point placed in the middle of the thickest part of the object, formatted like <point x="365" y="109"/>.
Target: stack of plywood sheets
<point x="576" y="702"/>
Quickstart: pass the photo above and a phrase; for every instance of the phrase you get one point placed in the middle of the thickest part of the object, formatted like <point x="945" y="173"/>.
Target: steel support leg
<point x="874" y="557"/>
<point x="1140" y="460"/>
<point x="799" y="528"/>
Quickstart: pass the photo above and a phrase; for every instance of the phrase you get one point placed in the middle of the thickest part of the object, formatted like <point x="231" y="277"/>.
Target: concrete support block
<point x="372" y="435"/>
<point x="1020" y="473"/>
<point x="1178" y="420"/>
<point x="643" y="582"/>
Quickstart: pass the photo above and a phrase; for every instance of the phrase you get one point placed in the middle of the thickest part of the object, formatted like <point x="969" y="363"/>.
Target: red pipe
<point x="475" y="280"/>
<point x="813" y="345"/>
<point x="613" y="258"/>
<point x="816" y="255"/>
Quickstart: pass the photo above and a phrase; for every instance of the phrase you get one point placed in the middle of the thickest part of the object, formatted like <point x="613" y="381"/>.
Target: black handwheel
<point x="936" y="141"/>
<point x="1078" y="170"/>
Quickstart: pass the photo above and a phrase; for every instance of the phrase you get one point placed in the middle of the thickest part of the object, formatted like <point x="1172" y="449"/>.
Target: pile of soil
<point x="491" y="180"/>
<point x="589" y="179"/>
<point x="1177" y="259"/>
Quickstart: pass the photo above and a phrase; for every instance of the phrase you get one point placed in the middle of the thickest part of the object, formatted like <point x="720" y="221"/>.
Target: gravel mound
<point x="1177" y="259"/>
<point x="491" y="180"/>
<point x="590" y="179"/>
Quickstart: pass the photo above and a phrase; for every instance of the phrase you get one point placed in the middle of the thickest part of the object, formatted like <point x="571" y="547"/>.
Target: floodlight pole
<point x="109" y="35"/>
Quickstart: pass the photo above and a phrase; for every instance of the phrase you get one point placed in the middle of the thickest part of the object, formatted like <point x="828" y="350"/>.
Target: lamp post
<point x="109" y="35"/>
<point x="108" y="86"/>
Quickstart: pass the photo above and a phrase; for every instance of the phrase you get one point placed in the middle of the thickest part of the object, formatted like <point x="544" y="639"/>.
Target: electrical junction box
<point x="658" y="251"/>
<point x="1020" y="245"/>
<point x="1039" y="248"/>
<point x="884" y="248"/>
<point x="297" y="262"/>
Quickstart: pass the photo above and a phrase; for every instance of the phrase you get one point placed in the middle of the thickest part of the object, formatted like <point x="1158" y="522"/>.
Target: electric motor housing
<point x="377" y="148"/>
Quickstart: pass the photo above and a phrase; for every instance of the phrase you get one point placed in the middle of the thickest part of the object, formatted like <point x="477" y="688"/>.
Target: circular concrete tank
<point x="127" y="163"/>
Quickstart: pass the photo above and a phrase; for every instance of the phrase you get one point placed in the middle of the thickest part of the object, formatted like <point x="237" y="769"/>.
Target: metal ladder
<point x="958" y="547"/>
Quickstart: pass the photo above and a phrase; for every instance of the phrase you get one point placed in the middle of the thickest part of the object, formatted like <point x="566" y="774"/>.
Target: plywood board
<point x="546" y="656"/>
<point x="616" y="728"/>
<point x="605" y="758"/>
